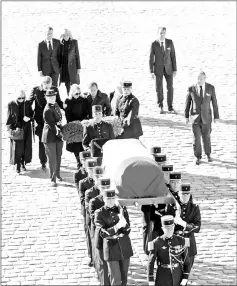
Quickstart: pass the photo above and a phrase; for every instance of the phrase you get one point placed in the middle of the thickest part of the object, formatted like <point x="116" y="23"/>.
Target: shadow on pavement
<point x="228" y="122"/>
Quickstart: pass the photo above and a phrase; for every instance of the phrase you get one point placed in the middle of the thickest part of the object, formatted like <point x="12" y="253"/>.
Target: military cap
<point x="167" y="168"/>
<point x="127" y="83"/>
<point x="160" y="158"/>
<point x="175" y="175"/>
<point x="104" y="181"/>
<point x="109" y="193"/>
<point x="91" y="163"/>
<point x="97" y="108"/>
<point x="98" y="170"/>
<point x="50" y="92"/>
<point x="167" y="220"/>
<point x="185" y="188"/>
<point x="85" y="154"/>
<point x="155" y="150"/>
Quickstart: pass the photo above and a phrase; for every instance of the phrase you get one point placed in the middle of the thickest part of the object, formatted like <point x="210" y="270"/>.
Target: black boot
<point x="18" y="168"/>
<point x="23" y="167"/>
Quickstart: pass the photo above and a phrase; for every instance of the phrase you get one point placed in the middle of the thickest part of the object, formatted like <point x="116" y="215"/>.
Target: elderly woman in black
<point x="70" y="64"/>
<point x="78" y="108"/>
<point x="19" y="116"/>
<point x="51" y="135"/>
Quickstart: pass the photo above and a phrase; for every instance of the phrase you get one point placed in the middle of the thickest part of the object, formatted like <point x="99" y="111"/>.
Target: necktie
<point x="162" y="48"/>
<point x="201" y="93"/>
<point x="50" y="47"/>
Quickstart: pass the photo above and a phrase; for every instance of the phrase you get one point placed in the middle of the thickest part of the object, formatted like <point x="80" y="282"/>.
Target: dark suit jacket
<point x="199" y="107"/>
<point x="103" y="100"/>
<point x="52" y="115"/>
<point x="45" y="60"/>
<point x="90" y="132"/>
<point x="158" y="61"/>
<point x="73" y="60"/>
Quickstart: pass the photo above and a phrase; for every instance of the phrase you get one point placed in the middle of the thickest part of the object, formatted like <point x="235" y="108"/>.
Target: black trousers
<point x="146" y="214"/>
<point x="159" y="89"/>
<point x="42" y="153"/>
<point x="204" y="131"/>
<point x="118" y="271"/>
<point x="54" y="154"/>
<point x="54" y="77"/>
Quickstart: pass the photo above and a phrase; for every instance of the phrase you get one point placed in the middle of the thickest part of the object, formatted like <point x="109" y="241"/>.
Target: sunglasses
<point x="21" y="97"/>
<point x="77" y="93"/>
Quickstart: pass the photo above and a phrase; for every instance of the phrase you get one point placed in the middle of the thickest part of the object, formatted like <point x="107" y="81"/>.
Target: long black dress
<point x="77" y="109"/>
<point x="20" y="150"/>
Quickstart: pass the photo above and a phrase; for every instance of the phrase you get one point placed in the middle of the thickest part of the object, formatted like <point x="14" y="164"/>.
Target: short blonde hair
<point x="73" y="88"/>
<point x="69" y="33"/>
<point x="20" y="91"/>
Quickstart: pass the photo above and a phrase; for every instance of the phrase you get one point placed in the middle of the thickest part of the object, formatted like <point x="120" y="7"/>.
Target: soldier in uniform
<point x="127" y="108"/>
<point x="97" y="129"/>
<point x="189" y="220"/>
<point x="113" y="226"/>
<point x="171" y="253"/>
<point x="89" y="194"/>
<point x="37" y="96"/>
<point x="81" y="173"/>
<point x="86" y="184"/>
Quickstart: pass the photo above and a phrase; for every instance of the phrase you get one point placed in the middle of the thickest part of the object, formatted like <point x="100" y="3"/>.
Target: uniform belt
<point x="180" y="232"/>
<point x="175" y="265"/>
<point x="115" y="236"/>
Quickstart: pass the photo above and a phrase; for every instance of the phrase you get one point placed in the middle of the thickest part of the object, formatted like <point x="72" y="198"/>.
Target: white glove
<point x="41" y="73"/>
<point x="26" y="119"/>
<point x="150" y="245"/>
<point x="57" y="130"/>
<point x="64" y="105"/>
<point x="184" y="282"/>
<point x="178" y="220"/>
<point x="151" y="283"/>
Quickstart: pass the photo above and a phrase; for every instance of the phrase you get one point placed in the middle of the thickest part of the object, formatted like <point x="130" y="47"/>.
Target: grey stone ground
<point x="42" y="234"/>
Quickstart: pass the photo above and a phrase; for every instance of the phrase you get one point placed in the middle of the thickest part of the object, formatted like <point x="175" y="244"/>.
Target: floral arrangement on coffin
<point x="73" y="131"/>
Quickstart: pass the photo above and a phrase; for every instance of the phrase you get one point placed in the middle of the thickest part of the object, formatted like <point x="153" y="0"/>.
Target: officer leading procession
<point x="115" y="171"/>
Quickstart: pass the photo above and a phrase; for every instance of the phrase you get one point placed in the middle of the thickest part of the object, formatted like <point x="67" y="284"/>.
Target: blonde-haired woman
<point x="69" y="60"/>
<point x="78" y="108"/>
<point x="19" y="116"/>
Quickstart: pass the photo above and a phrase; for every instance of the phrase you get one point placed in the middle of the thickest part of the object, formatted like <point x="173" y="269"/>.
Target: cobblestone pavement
<point x="42" y="232"/>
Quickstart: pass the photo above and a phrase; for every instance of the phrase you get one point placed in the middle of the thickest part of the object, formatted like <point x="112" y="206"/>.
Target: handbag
<point x="17" y="134"/>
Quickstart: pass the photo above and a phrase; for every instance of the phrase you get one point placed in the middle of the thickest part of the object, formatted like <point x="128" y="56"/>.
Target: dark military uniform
<point x="117" y="248"/>
<point x="127" y="107"/>
<point x="37" y="95"/>
<point x="173" y="262"/>
<point x="81" y="173"/>
<point x="103" y="100"/>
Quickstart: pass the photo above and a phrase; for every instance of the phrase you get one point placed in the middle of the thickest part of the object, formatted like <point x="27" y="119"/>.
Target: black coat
<point x="113" y="249"/>
<point x="47" y="60"/>
<point x="84" y="184"/>
<point x="128" y="108"/>
<point x="52" y="118"/>
<point x="190" y="213"/>
<point x="72" y="63"/>
<point x="20" y="148"/>
<point x="92" y="132"/>
<point x="77" y="109"/>
<point x="94" y="204"/>
<point x="37" y="96"/>
<point x="89" y="195"/>
<point x="164" y="276"/>
<point x="103" y="100"/>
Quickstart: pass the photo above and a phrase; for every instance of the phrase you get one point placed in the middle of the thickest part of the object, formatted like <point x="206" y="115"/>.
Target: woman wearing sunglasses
<point x="78" y="108"/>
<point x="19" y="116"/>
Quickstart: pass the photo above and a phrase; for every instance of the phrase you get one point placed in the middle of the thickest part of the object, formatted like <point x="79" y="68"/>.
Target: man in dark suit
<point x="163" y="63"/>
<point x="49" y="57"/>
<point x="199" y="98"/>
<point x="37" y="96"/>
<point x="97" y="129"/>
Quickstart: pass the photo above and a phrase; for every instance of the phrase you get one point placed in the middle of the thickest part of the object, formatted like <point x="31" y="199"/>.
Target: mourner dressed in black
<point x="37" y="96"/>
<point x="51" y="136"/>
<point x="113" y="226"/>
<point x="78" y="108"/>
<point x="127" y="108"/>
<point x="97" y="129"/>
<point x="20" y="115"/>
<point x="171" y="253"/>
<point x="70" y="64"/>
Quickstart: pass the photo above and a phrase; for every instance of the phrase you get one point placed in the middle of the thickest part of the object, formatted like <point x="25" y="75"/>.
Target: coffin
<point x="134" y="173"/>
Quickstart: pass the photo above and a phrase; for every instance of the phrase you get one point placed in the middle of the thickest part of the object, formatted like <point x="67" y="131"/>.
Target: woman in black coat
<point x="78" y="108"/>
<point x="20" y="115"/>
<point x="69" y="60"/>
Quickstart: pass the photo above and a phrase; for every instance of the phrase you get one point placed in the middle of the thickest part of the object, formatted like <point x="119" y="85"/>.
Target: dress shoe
<point x="209" y="159"/>
<point x="23" y="167"/>
<point x="60" y="178"/>
<point x="162" y="110"/>
<point x="171" y="110"/>
<point x="18" y="168"/>
<point x="53" y="184"/>
<point x="43" y="167"/>
<point x="90" y="264"/>
<point x="198" y="161"/>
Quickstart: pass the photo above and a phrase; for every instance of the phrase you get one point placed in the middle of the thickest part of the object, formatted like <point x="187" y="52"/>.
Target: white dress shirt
<point x="203" y="89"/>
<point x="47" y="43"/>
